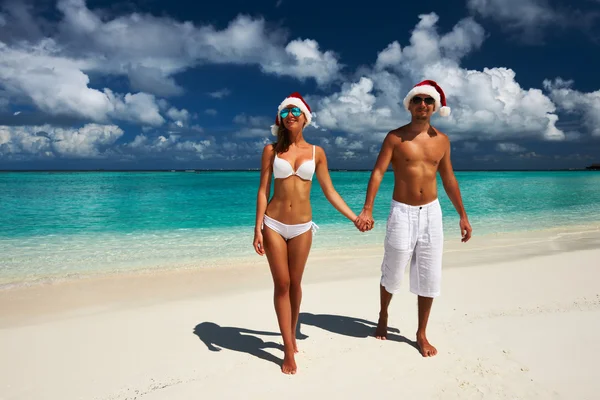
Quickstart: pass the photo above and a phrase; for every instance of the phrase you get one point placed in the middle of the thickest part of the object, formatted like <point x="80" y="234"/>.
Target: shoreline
<point x="32" y="303"/>
<point x="318" y="251"/>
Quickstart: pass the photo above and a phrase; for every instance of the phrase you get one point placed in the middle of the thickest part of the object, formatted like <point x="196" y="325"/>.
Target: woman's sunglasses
<point x="296" y="112"/>
<point x="428" y="100"/>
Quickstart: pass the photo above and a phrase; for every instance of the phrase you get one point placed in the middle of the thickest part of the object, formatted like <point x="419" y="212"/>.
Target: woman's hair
<point x="282" y="144"/>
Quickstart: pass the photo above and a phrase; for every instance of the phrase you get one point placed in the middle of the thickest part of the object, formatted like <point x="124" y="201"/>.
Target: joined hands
<point x="364" y="222"/>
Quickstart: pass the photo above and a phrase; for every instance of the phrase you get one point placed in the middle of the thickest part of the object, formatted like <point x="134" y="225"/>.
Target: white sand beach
<point x="519" y="318"/>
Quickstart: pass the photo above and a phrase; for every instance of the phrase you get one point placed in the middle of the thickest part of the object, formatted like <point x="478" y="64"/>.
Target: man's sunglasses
<point x="296" y="112"/>
<point x="428" y="100"/>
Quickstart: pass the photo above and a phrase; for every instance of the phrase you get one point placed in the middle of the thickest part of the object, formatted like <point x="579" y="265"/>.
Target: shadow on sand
<point x="349" y="326"/>
<point x="216" y="337"/>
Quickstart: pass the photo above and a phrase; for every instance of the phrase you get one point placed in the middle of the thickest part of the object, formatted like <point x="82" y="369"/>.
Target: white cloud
<point x="53" y="72"/>
<point x="219" y="94"/>
<point x="57" y="86"/>
<point x="354" y="109"/>
<point x="165" y="46"/>
<point x="139" y="107"/>
<point x="486" y="104"/>
<point x="583" y="105"/>
<point x="510" y="148"/>
<point x="90" y="141"/>
<point x="349" y="145"/>
<point x="153" y="80"/>
<point x="171" y="144"/>
<point x="210" y="111"/>
<point x="180" y="117"/>
<point x="390" y="56"/>
<point x="93" y="141"/>
<point x="304" y="60"/>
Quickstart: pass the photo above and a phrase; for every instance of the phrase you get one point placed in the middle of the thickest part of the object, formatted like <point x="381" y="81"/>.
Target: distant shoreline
<point x="257" y="170"/>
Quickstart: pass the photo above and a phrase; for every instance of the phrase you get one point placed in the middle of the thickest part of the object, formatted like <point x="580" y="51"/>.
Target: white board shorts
<point x="414" y="235"/>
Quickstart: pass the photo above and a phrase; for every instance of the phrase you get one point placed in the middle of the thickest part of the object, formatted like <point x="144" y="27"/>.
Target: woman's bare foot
<point x="426" y="349"/>
<point x="294" y="344"/>
<point x="381" y="330"/>
<point x="289" y="363"/>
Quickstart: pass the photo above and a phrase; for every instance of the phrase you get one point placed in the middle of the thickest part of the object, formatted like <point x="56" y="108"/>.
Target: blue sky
<point x="152" y="84"/>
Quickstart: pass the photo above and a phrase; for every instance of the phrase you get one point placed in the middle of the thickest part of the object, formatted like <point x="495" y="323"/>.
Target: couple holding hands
<point x="414" y="233"/>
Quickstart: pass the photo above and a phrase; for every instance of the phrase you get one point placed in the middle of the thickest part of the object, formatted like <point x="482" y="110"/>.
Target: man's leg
<point x="385" y="297"/>
<point x="397" y="255"/>
<point x="426" y="272"/>
<point x="427" y="350"/>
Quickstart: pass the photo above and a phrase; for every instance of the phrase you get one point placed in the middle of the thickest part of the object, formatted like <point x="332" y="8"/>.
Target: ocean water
<point x="66" y="224"/>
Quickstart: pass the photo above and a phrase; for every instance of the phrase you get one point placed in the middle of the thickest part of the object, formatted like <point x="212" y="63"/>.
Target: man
<point x="414" y="234"/>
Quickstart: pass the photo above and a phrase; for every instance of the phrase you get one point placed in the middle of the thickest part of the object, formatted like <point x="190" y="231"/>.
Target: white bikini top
<point x="283" y="169"/>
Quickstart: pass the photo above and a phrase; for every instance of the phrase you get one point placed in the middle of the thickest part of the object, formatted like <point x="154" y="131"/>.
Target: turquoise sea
<point x="67" y="224"/>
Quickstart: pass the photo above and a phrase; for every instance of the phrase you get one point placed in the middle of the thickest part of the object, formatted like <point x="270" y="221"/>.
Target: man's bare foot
<point x="289" y="364"/>
<point x="426" y="349"/>
<point x="381" y="331"/>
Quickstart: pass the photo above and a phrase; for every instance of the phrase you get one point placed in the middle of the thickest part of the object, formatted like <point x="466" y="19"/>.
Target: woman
<point x="284" y="225"/>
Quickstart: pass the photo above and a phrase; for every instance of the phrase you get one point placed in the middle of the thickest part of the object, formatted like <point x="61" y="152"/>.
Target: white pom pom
<point x="274" y="130"/>
<point x="445" y="111"/>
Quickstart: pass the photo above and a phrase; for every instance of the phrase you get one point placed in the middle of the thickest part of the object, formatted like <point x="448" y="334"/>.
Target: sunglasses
<point x="428" y="100"/>
<point x="296" y="112"/>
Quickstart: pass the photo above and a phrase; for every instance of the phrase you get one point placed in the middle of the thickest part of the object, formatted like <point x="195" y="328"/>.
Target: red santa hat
<point x="294" y="99"/>
<point x="432" y="89"/>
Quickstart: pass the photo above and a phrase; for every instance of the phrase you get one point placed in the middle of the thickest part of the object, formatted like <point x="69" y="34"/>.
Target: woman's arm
<point x="262" y="197"/>
<point x="330" y="193"/>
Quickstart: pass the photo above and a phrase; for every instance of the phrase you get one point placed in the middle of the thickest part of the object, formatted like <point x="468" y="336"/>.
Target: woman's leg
<point x="298" y="250"/>
<point x="277" y="255"/>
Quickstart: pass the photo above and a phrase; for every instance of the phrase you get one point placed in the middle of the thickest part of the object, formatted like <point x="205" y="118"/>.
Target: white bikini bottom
<point x="289" y="231"/>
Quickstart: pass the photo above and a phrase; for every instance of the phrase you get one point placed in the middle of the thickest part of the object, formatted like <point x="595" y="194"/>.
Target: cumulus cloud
<point x="57" y="86"/>
<point x="583" y="105"/>
<point x="49" y="64"/>
<point x="94" y="141"/>
<point x="160" y="47"/>
<point x="487" y="104"/>
<point x="180" y="117"/>
<point x="153" y="80"/>
<point x="139" y="107"/>
<point x="169" y="144"/>
<point x="347" y="144"/>
<point x="303" y="60"/>
<point x="90" y="141"/>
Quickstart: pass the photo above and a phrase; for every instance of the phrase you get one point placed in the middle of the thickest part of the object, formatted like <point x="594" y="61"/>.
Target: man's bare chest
<point x="429" y="151"/>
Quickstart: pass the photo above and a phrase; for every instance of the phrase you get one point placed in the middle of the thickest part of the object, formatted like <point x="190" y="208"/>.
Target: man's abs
<point x="415" y="185"/>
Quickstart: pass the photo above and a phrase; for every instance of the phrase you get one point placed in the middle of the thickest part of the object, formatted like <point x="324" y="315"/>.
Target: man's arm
<point x="381" y="165"/>
<point x="451" y="187"/>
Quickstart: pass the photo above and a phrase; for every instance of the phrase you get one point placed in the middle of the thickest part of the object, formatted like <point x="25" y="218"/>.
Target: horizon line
<point x="589" y="168"/>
